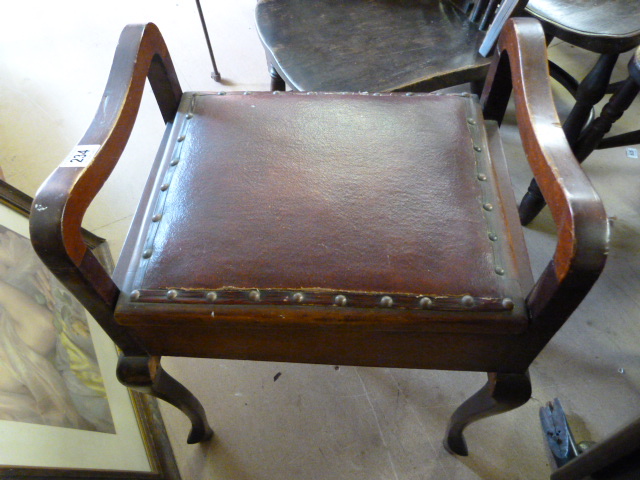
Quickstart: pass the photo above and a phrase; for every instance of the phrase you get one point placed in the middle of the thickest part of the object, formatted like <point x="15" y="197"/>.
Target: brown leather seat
<point x="361" y="229"/>
<point x="297" y="229"/>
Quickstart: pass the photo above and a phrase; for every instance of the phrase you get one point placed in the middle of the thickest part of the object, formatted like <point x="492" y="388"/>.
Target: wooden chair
<point x="342" y="229"/>
<point x="608" y="28"/>
<point x="374" y="46"/>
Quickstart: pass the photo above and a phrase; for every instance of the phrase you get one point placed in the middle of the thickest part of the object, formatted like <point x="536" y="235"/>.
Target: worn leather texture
<point x="357" y="193"/>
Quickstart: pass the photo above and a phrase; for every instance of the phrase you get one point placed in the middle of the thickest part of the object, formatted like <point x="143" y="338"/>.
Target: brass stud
<point x="500" y="270"/>
<point x="254" y="295"/>
<point x="222" y="93"/>
<point x="409" y="94"/>
<point x="426" y="302"/>
<point x="157" y="217"/>
<point x="171" y="294"/>
<point x="386" y="301"/>
<point x="508" y="304"/>
<point x="147" y="253"/>
<point x="468" y="301"/>
<point x="482" y="177"/>
<point x="247" y="93"/>
<point x="477" y="148"/>
<point x="471" y="121"/>
<point x="340" y="300"/>
<point x="298" y="297"/>
<point x="488" y="207"/>
<point x="164" y="187"/>
<point x="181" y="138"/>
<point x="493" y="237"/>
<point x="135" y="295"/>
<point x="175" y="161"/>
<point x="211" y="296"/>
<point x="189" y="116"/>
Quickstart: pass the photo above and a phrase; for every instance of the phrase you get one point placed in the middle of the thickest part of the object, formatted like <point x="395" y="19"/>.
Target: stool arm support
<point x="60" y="204"/>
<point x="581" y="222"/>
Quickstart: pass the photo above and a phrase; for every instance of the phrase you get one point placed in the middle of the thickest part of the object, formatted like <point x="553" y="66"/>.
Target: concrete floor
<point x="320" y="422"/>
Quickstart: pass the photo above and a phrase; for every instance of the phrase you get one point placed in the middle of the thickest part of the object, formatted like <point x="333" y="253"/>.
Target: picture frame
<point x="134" y="445"/>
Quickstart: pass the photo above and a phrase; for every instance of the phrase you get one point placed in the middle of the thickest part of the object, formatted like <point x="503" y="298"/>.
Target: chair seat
<point x="611" y="26"/>
<point x="324" y="214"/>
<point x="374" y="46"/>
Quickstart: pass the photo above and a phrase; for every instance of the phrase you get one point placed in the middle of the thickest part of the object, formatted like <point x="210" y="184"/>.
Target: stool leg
<point x="145" y="374"/>
<point x="503" y="392"/>
<point x="277" y="83"/>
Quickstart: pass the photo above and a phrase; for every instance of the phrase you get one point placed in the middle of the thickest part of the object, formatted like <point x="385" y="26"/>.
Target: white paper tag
<point x="80" y="156"/>
<point x="632" y="152"/>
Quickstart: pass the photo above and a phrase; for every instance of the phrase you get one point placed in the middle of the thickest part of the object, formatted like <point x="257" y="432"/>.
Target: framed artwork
<point x="63" y="413"/>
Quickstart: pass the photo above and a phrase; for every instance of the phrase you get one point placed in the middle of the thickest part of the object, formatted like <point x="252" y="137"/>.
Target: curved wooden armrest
<point x="61" y="202"/>
<point x="582" y="225"/>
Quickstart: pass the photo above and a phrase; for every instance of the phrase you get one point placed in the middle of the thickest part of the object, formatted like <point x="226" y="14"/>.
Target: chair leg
<point x="503" y="392"/>
<point x="476" y="86"/>
<point x="277" y="83"/>
<point x="145" y="374"/>
<point x="591" y="90"/>
<point x="531" y="204"/>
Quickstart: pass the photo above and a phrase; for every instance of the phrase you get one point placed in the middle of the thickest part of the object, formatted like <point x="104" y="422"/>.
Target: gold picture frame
<point x="48" y="445"/>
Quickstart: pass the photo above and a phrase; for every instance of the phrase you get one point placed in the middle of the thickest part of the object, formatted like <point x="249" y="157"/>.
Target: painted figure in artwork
<point x="49" y="374"/>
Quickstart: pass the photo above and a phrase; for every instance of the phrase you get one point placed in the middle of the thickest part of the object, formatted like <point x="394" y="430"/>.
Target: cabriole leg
<point x="503" y="392"/>
<point x="145" y="374"/>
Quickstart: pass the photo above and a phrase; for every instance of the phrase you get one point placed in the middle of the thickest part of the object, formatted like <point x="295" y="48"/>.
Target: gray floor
<point x="320" y="422"/>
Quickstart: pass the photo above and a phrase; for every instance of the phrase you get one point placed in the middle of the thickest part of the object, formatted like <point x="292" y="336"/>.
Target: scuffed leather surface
<point x="343" y="192"/>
